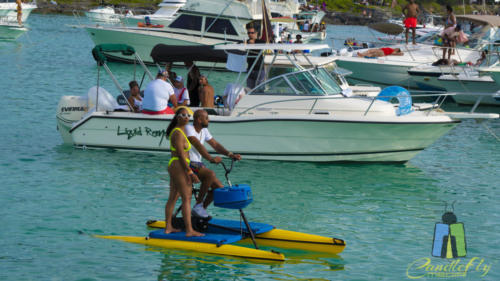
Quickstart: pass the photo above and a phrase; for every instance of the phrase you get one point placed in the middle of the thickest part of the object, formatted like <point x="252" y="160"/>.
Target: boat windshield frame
<point x="300" y="83"/>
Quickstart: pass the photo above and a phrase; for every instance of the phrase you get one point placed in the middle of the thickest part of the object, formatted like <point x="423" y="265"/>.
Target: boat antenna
<point x="97" y="95"/>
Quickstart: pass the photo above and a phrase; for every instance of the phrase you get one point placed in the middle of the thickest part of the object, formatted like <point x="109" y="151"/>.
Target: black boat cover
<point x="162" y="53"/>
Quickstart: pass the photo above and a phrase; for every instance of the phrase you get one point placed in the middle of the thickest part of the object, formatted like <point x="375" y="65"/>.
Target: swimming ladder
<point x="173" y="148"/>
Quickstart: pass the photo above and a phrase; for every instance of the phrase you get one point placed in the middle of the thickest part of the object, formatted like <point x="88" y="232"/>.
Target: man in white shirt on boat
<point x="157" y="95"/>
<point x="181" y="92"/>
<point x="197" y="135"/>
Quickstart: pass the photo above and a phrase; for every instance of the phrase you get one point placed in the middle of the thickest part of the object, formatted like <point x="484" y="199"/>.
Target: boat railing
<point x="435" y="105"/>
<point x="8" y="20"/>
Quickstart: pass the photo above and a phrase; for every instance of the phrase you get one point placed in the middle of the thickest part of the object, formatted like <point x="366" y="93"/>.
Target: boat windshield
<point x="312" y="82"/>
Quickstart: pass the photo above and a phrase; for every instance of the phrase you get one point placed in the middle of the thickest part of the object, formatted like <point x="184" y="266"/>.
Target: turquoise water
<point x="53" y="198"/>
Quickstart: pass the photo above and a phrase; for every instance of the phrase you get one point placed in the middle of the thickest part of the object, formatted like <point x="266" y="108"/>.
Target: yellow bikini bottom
<point x="176" y="158"/>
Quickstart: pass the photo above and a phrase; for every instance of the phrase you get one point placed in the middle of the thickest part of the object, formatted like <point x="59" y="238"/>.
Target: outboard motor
<point x="70" y="109"/>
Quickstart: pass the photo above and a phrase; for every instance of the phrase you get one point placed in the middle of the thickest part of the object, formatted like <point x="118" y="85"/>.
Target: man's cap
<point x="179" y="79"/>
<point x="163" y="72"/>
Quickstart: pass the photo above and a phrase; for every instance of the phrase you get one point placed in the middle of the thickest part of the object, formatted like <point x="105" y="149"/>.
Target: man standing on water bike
<point x="198" y="134"/>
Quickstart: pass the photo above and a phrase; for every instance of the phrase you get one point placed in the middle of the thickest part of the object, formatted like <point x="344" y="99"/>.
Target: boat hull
<point x="320" y="139"/>
<point x="375" y="71"/>
<point x="11" y="32"/>
<point x="286" y="239"/>
<point x="469" y="91"/>
<point x="226" y="250"/>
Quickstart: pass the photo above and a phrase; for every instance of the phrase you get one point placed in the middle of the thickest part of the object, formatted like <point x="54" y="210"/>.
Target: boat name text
<point x="428" y="268"/>
<point x="130" y="133"/>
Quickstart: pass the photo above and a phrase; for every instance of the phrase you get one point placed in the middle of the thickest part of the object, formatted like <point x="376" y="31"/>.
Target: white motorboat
<point x="295" y="116"/>
<point x="163" y="16"/>
<point x="393" y="70"/>
<point x="106" y="14"/>
<point x="8" y="10"/>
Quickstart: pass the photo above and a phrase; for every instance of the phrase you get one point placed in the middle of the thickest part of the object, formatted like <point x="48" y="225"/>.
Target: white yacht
<point x="296" y="116"/>
<point x="393" y="70"/>
<point x="8" y="10"/>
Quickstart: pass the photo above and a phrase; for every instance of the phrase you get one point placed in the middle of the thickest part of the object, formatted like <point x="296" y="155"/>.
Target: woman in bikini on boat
<point x="181" y="176"/>
<point x="381" y="52"/>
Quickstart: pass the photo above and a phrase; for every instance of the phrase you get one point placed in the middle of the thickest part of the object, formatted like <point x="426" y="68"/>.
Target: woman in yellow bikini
<point x="181" y="176"/>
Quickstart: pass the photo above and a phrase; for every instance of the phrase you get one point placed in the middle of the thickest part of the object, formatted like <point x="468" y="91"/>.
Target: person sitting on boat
<point x="197" y="135"/>
<point x="193" y="83"/>
<point x="157" y="95"/>
<point x="305" y="28"/>
<point x="255" y="77"/>
<point x="206" y="93"/>
<point x="322" y="27"/>
<point x="135" y="99"/>
<point x="315" y="28"/>
<point x="381" y="52"/>
<point x="181" y="93"/>
<point x="181" y="176"/>
<point x="147" y="20"/>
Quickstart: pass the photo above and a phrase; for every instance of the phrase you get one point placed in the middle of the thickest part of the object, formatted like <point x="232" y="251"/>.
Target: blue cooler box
<point x="235" y="197"/>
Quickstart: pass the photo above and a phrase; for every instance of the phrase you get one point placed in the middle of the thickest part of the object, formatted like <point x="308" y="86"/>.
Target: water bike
<point x="220" y="234"/>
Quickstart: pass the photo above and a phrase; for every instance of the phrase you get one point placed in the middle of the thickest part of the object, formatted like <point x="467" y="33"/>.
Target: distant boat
<point x="103" y="14"/>
<point x="164" y="15"/>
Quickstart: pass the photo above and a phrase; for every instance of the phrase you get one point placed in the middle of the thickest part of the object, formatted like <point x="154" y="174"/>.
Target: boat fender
<point x="403" y="96"/>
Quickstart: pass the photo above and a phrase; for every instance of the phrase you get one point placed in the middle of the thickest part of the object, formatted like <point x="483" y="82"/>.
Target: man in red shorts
<point x="411" y="12"/>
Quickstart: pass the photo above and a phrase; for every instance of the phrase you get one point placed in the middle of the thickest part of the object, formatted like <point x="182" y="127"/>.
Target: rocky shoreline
<point x="332" y="17"/>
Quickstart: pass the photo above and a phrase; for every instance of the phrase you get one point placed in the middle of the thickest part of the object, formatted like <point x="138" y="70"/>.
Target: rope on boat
<point x="490" y="131"/>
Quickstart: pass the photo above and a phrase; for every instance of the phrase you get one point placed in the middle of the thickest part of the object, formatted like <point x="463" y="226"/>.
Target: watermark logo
<point x="449" y="236"/>
<point x="449" y="243"/>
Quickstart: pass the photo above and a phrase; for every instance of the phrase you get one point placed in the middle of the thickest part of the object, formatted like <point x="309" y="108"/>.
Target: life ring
<point x="141" y="24"/>
<point x="401" y="94"/>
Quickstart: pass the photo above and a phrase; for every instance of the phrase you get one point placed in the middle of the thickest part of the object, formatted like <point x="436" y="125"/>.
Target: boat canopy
<point x="98" y="51"/>
<point x="162" y="53"/>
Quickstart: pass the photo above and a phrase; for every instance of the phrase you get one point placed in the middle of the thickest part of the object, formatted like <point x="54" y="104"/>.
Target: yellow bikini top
<point x="173" y="148"/>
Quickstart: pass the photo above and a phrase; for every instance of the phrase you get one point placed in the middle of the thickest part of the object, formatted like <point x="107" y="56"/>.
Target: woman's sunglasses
<point x="184" y="115"/>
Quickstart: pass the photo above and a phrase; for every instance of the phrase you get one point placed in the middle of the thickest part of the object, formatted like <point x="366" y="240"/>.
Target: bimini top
<point x="283" y="47"/>
<point x="162" y="53"/>
<point x="483" y="19"/>
<point x="98" y="51"/>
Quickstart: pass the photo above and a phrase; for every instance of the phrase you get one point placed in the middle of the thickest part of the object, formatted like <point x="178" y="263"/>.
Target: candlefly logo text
<point x="450" y="245"/>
